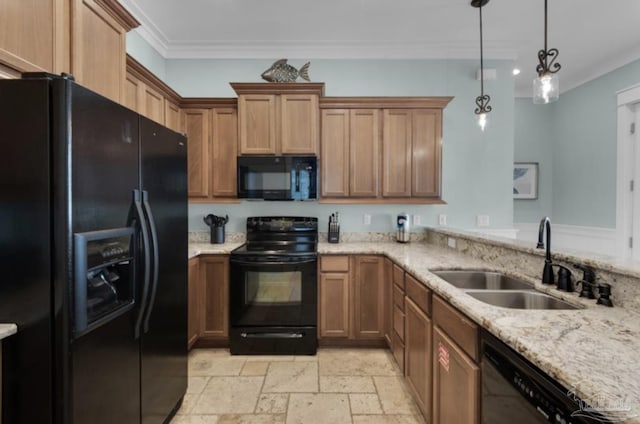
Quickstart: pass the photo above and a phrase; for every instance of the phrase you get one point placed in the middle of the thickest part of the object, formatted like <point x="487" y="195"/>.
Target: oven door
<point x="272" y="291"/>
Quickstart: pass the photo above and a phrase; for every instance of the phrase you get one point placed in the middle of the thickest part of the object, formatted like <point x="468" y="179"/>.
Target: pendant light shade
<point x="482" y="101"/>
<point x="546" y="87"/>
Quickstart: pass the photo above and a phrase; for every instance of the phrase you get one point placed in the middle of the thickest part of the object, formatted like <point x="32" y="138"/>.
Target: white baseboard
<point x="589" y="239"/>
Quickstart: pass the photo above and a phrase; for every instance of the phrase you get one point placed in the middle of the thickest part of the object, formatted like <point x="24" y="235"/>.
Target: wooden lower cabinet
<point x="456" y="383"/>
<point x="194" y="302"/>
<point x="417" y="363"/>
<point x="369" y="297"/>
<point x="334" y="304"/>
<point x="214" y="272"/>
<point x="388" y="301"/>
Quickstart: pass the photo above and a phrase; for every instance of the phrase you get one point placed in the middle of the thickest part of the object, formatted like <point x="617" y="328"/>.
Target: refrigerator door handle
<point x="156" y="258"/>
<point x="139" y="217"/>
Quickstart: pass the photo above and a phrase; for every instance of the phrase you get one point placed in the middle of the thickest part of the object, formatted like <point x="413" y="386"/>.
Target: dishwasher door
<point x="516" y="391"/>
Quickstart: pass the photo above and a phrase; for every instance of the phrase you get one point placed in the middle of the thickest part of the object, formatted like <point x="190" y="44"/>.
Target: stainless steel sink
<point x="520" y="299"/>
<point x="482" y="280"/>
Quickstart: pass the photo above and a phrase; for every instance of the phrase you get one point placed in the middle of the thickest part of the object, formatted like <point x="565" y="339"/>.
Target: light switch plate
<point x="366" y="219"/>
<point x="442" y="219"/>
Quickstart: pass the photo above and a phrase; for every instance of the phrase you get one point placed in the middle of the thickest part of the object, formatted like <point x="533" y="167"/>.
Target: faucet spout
<point x="547" y="272"/>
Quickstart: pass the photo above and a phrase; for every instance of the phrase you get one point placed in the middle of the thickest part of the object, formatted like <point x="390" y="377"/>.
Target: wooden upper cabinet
<point x="335" y="153"/>
<point x="153" y="104"/>
<point x="98" y="59"/>
<point x="278" y="118"/>
<point x="426" y="163"/>
<point x="364" y="152"/>
<point x="224" y="146"/>
<point x="257" y="123"/>
<point x="196" y="125"/>
<point x="299" y="131"/>
<point x="131" y="93"/>
<point x="396" y="153"/>
<point x="172" y="116"/>
<point x="31" y="38"/>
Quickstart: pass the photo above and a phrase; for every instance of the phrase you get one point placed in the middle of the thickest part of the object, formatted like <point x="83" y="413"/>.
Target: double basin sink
<point x="501" y="290"/>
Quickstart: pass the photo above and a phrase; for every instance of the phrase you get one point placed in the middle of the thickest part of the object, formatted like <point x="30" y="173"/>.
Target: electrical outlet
<point x="451" y="242"/>
<point x="442" y="219"/>
<point x="366" y="219"/>
<point x="482" y="220"/>
<point x="417" y="220"/>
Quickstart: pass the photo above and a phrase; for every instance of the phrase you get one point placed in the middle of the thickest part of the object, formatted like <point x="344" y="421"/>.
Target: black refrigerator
<point x="94" y="258"/>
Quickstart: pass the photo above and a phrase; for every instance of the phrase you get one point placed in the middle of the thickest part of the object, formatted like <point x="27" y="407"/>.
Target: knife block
<point x="334" y="233"/>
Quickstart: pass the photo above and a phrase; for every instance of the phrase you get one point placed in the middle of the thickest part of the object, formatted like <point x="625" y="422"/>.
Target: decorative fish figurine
<point x="281" y="71"/>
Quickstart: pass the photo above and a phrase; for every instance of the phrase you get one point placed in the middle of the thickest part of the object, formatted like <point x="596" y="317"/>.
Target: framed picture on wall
<point x="525" y="180"/>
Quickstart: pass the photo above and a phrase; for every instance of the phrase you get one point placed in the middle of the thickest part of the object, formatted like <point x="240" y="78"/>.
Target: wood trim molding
<point x="119" y="13"/>
<point x="384" y="102"/>
<point x="208" y="102"/>
<point x="139" y="71"/>
<point x="278" y="88"/>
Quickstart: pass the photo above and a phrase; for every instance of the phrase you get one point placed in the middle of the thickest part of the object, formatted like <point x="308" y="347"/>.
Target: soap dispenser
<point x="564" y="278"/>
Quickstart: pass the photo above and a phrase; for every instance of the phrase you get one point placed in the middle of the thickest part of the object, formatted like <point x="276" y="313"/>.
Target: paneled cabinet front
<point x="195" y="306"/>
<point x="369" y="297"/>
<point x="214" y="272"/>
<point x="212" y="150"/>
<point x="278" y="118"/>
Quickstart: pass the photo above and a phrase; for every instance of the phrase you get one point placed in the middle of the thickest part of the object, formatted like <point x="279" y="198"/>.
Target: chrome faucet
<point x="547" y="272"/>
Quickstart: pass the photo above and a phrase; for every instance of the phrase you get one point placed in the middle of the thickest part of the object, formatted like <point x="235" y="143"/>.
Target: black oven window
<point x="273" y="288"/>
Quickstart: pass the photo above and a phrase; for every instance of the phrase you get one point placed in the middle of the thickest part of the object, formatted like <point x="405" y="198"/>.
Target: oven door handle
<point x="245" y="262"/>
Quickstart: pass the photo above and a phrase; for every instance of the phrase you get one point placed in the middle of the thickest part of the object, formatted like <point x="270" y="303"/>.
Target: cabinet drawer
<point x="398" y="297"/>
<point x="334" y="263"/>
<point x="397" y="348"/>
<point x="398" y="276"/>
<point x="418" y="293"/>
<point x="458" y="327"/>
<point x="398" y="322"/>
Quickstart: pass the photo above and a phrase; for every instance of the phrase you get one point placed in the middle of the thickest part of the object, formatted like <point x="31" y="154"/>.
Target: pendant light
<point x="546" y="87"/>
<point x="482" y="101"/>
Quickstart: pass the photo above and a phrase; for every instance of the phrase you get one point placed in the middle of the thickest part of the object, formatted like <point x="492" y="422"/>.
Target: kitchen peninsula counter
<point x="591" y="351"/>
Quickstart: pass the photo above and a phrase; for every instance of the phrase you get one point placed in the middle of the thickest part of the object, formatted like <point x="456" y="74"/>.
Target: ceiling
<point x="593" y="37"/>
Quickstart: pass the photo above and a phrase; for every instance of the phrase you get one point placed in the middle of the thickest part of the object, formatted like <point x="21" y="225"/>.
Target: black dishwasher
<point x="516" y="391"/>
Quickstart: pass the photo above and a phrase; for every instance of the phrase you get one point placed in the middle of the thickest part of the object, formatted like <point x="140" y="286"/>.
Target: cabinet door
<point x="32" y="36"/>
<point x="417" y="364"/>
<point x="98" y="59"/>
<point x="299" y="124"/>
<point x="131" y="95"/>
<point x="224" y="143"/>
<point x="364" y="152"/>
<point x="257" y="123"/>
<point x="172" y="116"/>
<point x="456" y="383"/>
<point x="194" y="303"/>
<point x="335" y="153"/>
<point x="214" y="271"/>
<point x="426" y="135"/>
<point x="196" y="125"/>
<point x="334" y="304"/>
<point x="388" y="301"/>
<point x="396" y="153"/>
<point x="153" y="103"/>
<point x="369" y="298"/>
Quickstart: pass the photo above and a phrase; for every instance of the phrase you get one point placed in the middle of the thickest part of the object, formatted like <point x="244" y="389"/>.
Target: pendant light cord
<point x="545" y="34"/>
<point x="482" y="55"/>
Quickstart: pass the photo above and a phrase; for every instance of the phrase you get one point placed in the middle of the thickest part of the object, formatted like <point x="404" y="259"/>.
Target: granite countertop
<point x="7" y="330"/>
<point x="196" y="249"/>
<point x="591" y="351"/>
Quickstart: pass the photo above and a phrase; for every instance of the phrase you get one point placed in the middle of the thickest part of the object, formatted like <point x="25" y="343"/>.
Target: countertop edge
<point x="7" y="330"/>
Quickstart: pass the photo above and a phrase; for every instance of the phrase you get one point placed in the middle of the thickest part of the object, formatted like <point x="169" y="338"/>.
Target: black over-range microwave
<point x="277" y="177"/>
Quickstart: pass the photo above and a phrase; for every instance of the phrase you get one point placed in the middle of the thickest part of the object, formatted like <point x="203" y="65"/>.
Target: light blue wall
<point x="477" y="166"/>
<point x="138" y="48"/>
<point x="583" y="138"/>
<point x="534" y="142"/>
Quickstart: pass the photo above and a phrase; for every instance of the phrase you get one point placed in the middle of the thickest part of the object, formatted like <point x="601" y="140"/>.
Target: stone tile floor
<point x="336" y="386"/>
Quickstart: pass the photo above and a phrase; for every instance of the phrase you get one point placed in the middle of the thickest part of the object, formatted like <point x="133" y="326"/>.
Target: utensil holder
<point x="217" y="235"/>
<point x="334" y="233"/>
